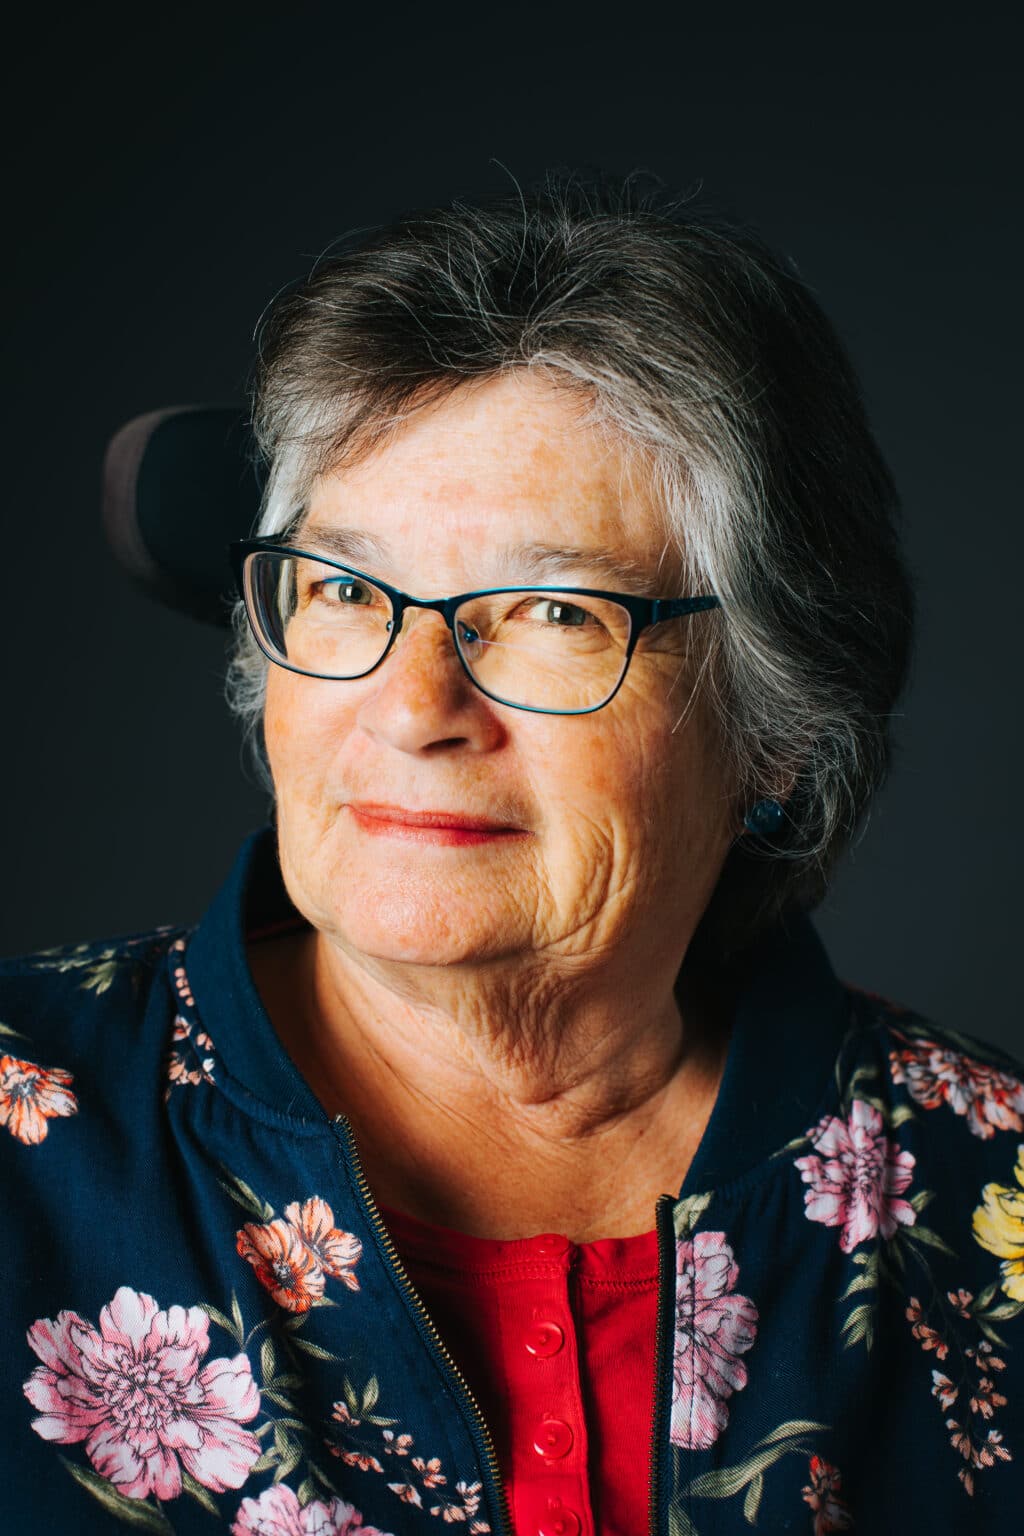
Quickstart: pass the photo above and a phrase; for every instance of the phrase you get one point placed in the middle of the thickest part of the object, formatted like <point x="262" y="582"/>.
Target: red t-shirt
<point x="556" y="1342"/>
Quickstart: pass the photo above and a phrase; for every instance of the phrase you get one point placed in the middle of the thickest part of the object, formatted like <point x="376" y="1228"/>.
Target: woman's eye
<point x="563" y="615"/>
<point x="343" y="591"/>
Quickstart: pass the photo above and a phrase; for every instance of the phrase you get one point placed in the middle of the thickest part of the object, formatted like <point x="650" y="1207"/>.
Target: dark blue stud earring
<point x="764" y="818"/>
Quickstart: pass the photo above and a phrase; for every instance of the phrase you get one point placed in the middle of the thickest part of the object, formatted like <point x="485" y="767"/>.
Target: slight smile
<point x="454" y="829"/>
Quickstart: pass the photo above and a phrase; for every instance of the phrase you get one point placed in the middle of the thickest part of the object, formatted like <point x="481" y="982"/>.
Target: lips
<point x="405" y="818"/>
<point x="451" y="827"/>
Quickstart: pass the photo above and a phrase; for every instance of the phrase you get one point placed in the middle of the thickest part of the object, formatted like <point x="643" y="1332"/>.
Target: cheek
<point x="646" y="793"/>
<point x="304" y="729"/>
<point x="601" y="787"/>
<point x="282" y="730"/>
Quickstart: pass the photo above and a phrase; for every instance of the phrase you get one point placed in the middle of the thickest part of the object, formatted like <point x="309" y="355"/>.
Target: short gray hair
<point x="709" y="357"/>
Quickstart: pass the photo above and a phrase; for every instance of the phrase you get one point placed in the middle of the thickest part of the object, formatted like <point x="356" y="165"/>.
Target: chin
<point x="403" y="931"/>
<point x="405" y="909"/>
<point x="408" y="919"/>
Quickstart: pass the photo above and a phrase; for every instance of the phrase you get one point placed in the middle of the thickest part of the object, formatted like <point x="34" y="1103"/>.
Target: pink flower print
<point x="133" y="1390"/>
<point x="713" y="1328"/>
<point x="933" y="1074"/>
<point x="831" y="1513"/>
<point x="31" y="1095"/>
<point x="857" y="1182"/>
<point x="277" y="1512"/>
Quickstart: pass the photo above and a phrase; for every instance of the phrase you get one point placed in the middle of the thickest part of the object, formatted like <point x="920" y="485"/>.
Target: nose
<point x="420" y="699"/>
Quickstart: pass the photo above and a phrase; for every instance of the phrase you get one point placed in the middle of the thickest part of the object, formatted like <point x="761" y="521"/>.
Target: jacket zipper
<point x="471" y="1408"/>
<point x="666" y="1315"/>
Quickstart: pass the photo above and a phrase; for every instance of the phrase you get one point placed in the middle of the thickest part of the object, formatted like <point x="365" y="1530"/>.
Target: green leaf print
<point x="201" y="1495"/>
<point x="687" y="1213"/>
<point x="137" y="1512"/>
<point x="243" y="1196"/>
<point x="752" y="1502"/>
<point x="726" y="1482"/>
<point x="679" y="1522"/>
<point x="860" y="1325"/>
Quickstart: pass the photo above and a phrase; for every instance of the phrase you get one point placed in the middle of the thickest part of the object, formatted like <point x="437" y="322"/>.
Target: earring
<point x="764" y="818"/>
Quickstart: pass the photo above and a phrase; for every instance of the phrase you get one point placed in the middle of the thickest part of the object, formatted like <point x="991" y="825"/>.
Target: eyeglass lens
<point x="541" y="649"/>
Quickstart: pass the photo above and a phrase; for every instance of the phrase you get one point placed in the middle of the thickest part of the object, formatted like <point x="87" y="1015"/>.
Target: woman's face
<point x="604" y="833"/>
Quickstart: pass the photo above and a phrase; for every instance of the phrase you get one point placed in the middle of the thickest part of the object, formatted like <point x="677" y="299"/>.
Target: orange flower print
<point x="293" y="1256"/>
<point x="407" y="1493"/>
<point x="831" y="1513"/>
<point x="979" y="1443"/>
<point x="981" y="1455"/>
<point x="361" y="1459"/>
<point x="31" y="1095"/>
<point x="986" y="1399"/>
<point x="178" y="1072"/>
<point x="335" y="1251"/>
<point x="928" y="1338"/>
<point x="285" y="1265"/>
<point x="988" y="1099"/>
<point x="430" y="1471"/>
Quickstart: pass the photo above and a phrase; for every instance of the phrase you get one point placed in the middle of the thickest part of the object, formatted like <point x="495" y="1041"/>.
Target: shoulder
<point x="939" y="1116"/>
<point x="79" y="1012"/>
<point x="937" y="1067"/>
<point x="81" y="979"/>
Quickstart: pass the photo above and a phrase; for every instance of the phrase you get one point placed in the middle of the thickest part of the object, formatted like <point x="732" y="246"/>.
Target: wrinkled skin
<point x="538" y="970"/>
<point x="628" y="823"/>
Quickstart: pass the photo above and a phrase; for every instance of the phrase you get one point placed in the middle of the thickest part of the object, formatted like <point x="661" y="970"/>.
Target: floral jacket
<point x="206" y="1327"/>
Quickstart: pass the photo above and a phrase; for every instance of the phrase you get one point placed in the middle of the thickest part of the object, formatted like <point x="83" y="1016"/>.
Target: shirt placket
<point x="551" y="1493"/>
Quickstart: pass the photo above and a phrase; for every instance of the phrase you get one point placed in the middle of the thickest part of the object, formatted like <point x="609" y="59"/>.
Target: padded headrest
<point x="178" y="486"/>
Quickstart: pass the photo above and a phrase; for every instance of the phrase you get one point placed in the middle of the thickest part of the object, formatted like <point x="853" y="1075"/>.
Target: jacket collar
<point x="789" y="1020"/>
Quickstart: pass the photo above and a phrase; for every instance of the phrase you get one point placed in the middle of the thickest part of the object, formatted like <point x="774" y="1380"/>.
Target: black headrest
<point x="178" y="486"/>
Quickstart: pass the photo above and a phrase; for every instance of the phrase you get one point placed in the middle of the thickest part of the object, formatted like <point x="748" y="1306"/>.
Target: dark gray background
<point x="163" y="183"/>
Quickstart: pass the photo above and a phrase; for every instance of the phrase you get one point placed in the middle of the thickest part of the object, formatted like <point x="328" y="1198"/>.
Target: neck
<point x="549" y="1082"/>
<point x="558" y="1045"/>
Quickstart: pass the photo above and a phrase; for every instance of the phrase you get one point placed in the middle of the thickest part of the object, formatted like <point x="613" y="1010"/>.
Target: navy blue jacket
<point x="206" y="1327"/>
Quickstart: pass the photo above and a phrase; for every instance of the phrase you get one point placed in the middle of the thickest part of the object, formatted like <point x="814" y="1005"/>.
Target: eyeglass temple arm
<point x="677" y="607"/>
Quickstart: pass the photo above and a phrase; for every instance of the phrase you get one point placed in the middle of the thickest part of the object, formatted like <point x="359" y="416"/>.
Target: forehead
<point x="513" y="461"/>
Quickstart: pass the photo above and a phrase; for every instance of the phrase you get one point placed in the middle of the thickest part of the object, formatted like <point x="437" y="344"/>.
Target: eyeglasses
<point x="551" y="650"/>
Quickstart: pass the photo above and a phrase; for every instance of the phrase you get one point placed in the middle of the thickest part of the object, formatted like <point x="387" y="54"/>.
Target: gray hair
<point x="710" y="359"/>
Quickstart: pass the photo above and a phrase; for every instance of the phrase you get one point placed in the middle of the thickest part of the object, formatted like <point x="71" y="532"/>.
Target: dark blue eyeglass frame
<point x="644" y="613"/>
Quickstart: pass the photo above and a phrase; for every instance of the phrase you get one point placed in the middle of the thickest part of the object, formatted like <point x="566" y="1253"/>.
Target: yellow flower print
<point x="998" y="1225"/>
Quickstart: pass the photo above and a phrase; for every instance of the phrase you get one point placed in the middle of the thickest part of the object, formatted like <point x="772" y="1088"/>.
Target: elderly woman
<point x="501" y="1149"/>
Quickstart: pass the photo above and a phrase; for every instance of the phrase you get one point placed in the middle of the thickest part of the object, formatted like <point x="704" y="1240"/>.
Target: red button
<point x="553" y="1438"/>
<point x="544" y="1339"/>
<point x="560" y="1522"/>
<point x="550" y="1245"/>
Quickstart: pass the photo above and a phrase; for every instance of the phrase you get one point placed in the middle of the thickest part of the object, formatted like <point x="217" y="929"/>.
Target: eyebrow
<point x="520" y="562"/>
<point x="562" y="560"/>
<point x="340" y="543"/>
